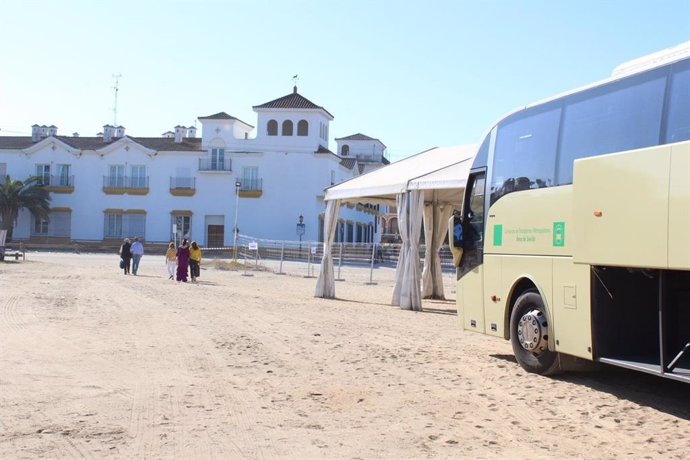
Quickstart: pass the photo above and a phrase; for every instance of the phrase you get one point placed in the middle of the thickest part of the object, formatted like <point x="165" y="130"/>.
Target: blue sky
<point x="413" y="74"/>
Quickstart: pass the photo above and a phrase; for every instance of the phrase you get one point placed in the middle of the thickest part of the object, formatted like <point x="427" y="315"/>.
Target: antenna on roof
<point x="116" y="88"/>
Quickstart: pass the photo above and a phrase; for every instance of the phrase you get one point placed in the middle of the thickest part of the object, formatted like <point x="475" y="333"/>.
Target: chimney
<point x="119" y="131"/>
<point x="44" y="131"/>
<point x="75" y="134"/>
<point x="180" y="132"/>
<point x="107" y="133"/>
<point x="52" y="130"/>
<point x="191" y="131"/>
<point x="35" y="133"/>
<point x="168" y="134"/>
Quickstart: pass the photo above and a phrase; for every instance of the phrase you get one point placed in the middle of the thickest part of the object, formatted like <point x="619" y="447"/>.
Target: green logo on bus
<point x="559" y="234"/>
<point x="498" y="235"/>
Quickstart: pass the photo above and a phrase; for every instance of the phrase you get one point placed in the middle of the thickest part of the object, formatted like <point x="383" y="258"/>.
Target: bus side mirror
<point x="455" y="238"/>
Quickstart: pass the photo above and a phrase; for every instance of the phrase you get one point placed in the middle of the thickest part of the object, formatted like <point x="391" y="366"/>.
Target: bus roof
<point x="638" y="65"/>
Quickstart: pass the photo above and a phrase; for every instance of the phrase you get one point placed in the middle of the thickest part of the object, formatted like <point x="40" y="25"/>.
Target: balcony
<point x="58" y="184"/>
<point x="251" y="188"/>
<point x="119" y="185"/>
<point x="215" y="165"/>
<point x="182" y="186"/>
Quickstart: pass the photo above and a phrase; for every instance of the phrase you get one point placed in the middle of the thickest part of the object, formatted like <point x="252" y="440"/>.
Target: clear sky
<point x="414" y="74"/>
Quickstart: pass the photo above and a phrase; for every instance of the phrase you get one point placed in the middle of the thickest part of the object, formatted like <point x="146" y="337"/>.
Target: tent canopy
<point x="443" y="185"/>
<point x="428" y="168"/>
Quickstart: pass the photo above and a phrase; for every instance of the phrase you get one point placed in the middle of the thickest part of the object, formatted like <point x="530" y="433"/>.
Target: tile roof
<point x="293" y="100"/>
<point x="222" y="116"/>
<point x="96" y="143"/>
<point x="323" y="149"/>
<point x="349" y="163"/>
<point x="358" y="137"/>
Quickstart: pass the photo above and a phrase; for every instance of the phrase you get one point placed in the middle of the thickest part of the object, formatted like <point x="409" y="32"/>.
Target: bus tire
<point x="529" y="335"/>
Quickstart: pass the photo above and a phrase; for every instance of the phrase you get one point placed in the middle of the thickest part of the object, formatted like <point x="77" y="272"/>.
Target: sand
<point x="97" y="364"/>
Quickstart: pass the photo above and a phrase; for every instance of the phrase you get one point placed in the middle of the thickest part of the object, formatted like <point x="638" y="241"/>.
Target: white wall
<point x="293" y="184"/>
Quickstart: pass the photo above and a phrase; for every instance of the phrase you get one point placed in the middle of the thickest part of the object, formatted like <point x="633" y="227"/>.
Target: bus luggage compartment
<point x="632" y="209"/>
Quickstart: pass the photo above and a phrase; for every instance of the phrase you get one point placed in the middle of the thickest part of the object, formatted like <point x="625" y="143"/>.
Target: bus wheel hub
<point x="533" y="332"/>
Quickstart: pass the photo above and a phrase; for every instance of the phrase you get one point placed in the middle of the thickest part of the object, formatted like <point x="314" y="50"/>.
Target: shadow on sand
<point x="659" y="393"/>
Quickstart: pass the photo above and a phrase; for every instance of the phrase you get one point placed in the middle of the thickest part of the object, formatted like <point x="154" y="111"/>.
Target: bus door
<point x="470" y="272"/>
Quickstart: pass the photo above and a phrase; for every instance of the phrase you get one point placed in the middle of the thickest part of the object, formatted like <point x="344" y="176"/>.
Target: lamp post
<point x="235" y="230"/>
<point x="300" y="230"/>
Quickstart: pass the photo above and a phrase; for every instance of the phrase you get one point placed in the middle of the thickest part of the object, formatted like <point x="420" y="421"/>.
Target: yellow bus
<point x="575" y="225"/>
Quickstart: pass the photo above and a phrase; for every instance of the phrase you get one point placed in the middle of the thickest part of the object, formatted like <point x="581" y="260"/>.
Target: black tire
<point x="539" y="360"/>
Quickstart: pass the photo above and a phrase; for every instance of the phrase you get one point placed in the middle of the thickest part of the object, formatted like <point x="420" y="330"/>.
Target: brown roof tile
<point x="358" y="137"/>
<point x="222" y="116"/>
<point x="95" y="143"/>
<point x="349" y="163"/>
<point x="293" y="100"/>
<point x="323" y="149"/>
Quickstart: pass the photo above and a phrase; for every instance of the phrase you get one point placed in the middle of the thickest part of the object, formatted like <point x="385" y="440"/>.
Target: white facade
<point x="130" y="187"/>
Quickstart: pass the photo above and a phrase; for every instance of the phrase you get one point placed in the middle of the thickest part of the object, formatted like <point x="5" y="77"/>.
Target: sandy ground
<point x="97" y="364"/>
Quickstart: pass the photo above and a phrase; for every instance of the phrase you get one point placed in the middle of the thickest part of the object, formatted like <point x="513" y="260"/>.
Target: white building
<point x="112" y="186"/>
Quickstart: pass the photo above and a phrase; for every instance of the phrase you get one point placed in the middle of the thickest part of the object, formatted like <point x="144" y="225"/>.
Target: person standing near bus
<point x="137" y="253"/>
<point x="194" y="260"/>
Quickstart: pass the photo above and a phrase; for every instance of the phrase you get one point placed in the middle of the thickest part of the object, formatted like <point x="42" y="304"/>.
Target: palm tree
<point x="16" y="195"/>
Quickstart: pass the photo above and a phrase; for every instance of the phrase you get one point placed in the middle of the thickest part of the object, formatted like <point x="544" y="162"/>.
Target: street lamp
<point x="300" y="230"/>
<point x="236" y="230"/>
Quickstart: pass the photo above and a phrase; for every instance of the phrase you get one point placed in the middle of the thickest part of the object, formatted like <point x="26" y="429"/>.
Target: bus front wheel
<point x="529" y="335"/>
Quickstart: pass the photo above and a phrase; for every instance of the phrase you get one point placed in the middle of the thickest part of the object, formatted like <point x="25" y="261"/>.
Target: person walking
<point x="182" y="261"/>
<point x="137" y="253"/>
<point x="194" y="260"/>
<point x="125" y="255"/>
<point x="171" y="260"/>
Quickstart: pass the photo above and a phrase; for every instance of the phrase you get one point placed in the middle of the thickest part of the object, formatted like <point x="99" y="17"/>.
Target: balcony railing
<point x="183" y="183"/>
<point x="57" y="181"/>
<point x="251" y="185"/>
<point x="125" y="182"/>
<point x="212" y="164"/>
<point x="182" y="186"/>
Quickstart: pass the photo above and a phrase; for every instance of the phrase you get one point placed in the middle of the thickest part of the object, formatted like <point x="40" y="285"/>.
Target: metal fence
<point x="304" y="258"/>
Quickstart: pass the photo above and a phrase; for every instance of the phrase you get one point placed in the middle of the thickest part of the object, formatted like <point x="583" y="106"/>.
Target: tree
<point x="16" y="195"/>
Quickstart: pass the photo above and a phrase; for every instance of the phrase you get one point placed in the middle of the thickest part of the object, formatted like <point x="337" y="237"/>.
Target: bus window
<point x="525" y="154"/>
<point x="678" y="124"/>
<point x="619" y="117"/>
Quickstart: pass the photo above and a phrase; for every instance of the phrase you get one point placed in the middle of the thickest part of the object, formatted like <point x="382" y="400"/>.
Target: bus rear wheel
<point x="529" y="335"/>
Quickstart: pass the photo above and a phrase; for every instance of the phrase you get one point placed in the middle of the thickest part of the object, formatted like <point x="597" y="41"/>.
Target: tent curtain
<point x="325" y="285"/>
<point x="435" y="228"/>
<point x="401" y="203"/>
<point x="407" y="293"/>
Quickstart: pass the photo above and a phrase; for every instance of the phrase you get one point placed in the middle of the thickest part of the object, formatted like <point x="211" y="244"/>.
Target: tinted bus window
<point x="482" y="158"/>
<point x="525" y="154"/>
<point x="618" y="117"/>
<point x="678" y="125"/>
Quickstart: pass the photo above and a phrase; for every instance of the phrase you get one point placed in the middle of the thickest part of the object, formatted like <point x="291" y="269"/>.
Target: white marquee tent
<point x="426" y="186"/>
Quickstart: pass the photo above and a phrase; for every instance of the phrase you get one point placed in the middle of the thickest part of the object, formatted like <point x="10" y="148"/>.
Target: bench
<point x="16" y="254"/>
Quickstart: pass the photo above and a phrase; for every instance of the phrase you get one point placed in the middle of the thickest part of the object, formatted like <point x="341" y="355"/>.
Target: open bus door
<point x="470" y="272"/>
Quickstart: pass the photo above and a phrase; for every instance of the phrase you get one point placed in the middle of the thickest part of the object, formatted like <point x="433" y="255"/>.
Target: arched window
<point x="272" y="128"/>
<point x="303" y="128"/>
<point x="345" y="150"/>
<point x="287" y="128"/>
